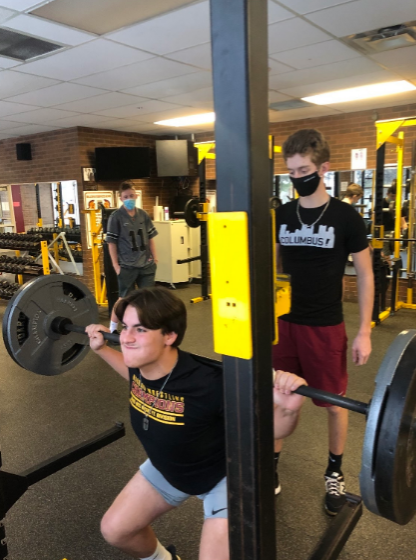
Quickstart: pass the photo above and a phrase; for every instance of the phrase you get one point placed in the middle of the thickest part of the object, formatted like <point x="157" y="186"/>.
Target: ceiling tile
<point x="8" y="62"/>
<point x="135" y="111"/>
<point x="39" y="116"/>
<point x="93" y="57"/>
<point x="31" y="129"/>
<point x="376" y="103"/>
<point x="170" y="32"/>
<point x="341" y="83"/>
<point x="5" y="125"/>
<point x="317" y="54"/>
<point x="19" y="5"/>
<point x="363" y="15"/>
<point x="406" y="72"/>
<point x="174" y="86"/>
<point x="48" y="30"/>
<point x="398" y="57"/>
<point x="276" y="13"/>
<point x="102" y="16"/>
<point x="199" y="56"/>
<point x="171" y="114"/>
<point x="306" y="6"/>
<point x="13" y="83"/>
<point x="56" y="95"/>
<point x="276" y="67"/>
<point x="7" y="108"/>
<point x="78" y="120"/>
<point x="123" y="79"/>
<point x="343" y="69"/>
<point x="112" y="123"/>
<point x="275" y="96"/>
<point x="306" y="113"/>
<point x="138" y="127"/>
<point x="101" y="102"/>
<point x="6" y="14"/>
<point x="202" y="98"/>
<point x="293" y="33"/>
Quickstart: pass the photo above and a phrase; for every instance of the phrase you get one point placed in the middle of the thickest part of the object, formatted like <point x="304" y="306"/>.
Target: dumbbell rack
<point x="18" y="265"/>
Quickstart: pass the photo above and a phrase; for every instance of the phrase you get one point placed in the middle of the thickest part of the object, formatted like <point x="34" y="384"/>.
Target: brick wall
<point x="163" y="187"/>
<point x="351" y="294"/>
<point x="60" y="155"/>
<point x="29" y="206"/>
<point x="344" y="133"/>
<point x="46" y="204"/>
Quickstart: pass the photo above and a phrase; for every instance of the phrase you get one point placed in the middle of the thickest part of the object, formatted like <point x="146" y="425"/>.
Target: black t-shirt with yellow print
<point x="185" y="439"/>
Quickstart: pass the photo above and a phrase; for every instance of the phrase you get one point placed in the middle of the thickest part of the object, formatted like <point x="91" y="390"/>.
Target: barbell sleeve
<point x="330" y="398"/>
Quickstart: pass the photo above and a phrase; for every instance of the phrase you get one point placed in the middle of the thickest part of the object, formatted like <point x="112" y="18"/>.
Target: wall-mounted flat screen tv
<point x="117" y="164"/>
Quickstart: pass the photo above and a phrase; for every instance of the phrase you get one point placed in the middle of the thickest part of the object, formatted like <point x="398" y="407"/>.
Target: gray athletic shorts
<point x="215" y="501"/>
<point x="131" y="277"/>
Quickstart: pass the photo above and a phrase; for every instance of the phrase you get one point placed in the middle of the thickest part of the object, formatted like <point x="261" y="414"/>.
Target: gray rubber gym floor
<point x="59" y="517"/>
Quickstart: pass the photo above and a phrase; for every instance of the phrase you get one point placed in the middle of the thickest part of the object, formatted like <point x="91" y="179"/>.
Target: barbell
<point x="44" y="332"/>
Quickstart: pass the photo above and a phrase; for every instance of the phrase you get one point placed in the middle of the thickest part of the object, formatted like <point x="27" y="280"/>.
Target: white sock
<point x="113" y="326"/>
<point x="159" y="554"/>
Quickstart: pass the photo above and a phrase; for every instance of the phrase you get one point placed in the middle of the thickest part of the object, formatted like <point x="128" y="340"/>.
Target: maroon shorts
<point x="318" y="354"/>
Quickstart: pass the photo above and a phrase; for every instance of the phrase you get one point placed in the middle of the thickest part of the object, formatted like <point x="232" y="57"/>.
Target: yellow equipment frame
<point x="385" y="131"/>
<point x="100" y="287"/>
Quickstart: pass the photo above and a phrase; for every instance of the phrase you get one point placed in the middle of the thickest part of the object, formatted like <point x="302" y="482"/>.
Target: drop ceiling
<point x="124" y="64"/>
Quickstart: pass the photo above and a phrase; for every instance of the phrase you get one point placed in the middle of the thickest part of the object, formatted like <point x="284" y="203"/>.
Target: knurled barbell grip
<point x="111" y="337"/>
<point x="330" y="398"/>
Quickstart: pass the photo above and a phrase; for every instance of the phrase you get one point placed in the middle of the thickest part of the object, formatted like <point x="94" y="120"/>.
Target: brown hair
<point x="354" y="190"/>
<point x="307" y="141"/>
<point x="125" y="186"/>
<point x="157" y="308"/>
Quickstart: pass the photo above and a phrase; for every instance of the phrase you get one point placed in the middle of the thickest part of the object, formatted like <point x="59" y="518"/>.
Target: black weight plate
<point x="26" y="324"/>
<point x="395" y="479"/>
<point x="190" y="213"/>
<point x="275" y="202"/>
<point x="384" y="378"/>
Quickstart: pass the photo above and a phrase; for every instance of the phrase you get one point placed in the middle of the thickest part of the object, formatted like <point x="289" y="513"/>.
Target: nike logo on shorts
<point x="215" y="511"/>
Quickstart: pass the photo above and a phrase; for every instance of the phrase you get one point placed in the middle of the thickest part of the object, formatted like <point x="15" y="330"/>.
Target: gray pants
<point x="131" y="277"/>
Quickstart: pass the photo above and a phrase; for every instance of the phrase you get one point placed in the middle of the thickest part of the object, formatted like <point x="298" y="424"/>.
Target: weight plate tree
<point x="44" y="332"/>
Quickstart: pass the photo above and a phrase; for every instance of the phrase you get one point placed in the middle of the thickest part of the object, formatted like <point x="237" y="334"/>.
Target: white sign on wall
<point x="359" y="158"/>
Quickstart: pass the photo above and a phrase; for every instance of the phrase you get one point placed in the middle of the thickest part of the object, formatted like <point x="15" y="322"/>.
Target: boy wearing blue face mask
<point x="315" y="233"/>
<point x="130" y="238"/>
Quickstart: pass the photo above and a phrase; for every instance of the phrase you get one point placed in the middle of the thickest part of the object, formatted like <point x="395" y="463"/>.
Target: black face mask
<point x="306" y="185"/>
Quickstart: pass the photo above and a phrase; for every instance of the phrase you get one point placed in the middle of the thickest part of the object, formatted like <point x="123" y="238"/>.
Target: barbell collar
<point x="63" y="325"/>
<point x="330" y="398"/>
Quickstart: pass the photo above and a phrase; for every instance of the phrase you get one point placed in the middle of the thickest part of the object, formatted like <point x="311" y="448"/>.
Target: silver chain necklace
<point x="316" y="221"/>
<point x="146" y="418"/>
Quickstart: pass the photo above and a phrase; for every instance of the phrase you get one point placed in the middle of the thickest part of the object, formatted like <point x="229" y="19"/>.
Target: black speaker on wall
<point x="23" y="152"/>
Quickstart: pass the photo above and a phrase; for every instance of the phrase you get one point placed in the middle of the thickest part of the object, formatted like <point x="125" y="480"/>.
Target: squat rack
<point x="242" y="266"/>
<point x="385" y="131"/>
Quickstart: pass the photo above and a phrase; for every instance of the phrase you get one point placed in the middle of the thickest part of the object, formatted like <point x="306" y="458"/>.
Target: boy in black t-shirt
<point x="315" y="234"/>
<point x="176" y="408"/>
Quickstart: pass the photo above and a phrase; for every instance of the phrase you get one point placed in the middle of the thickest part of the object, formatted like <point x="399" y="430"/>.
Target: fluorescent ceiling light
<point x="363" y="92"/>
<point x="189" y="121"/>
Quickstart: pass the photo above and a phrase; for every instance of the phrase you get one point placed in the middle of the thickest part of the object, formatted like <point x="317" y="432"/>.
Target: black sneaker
<point x="335" y="492"/>
<point x="172" y="549"/>
<point x="277" y="486"/>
